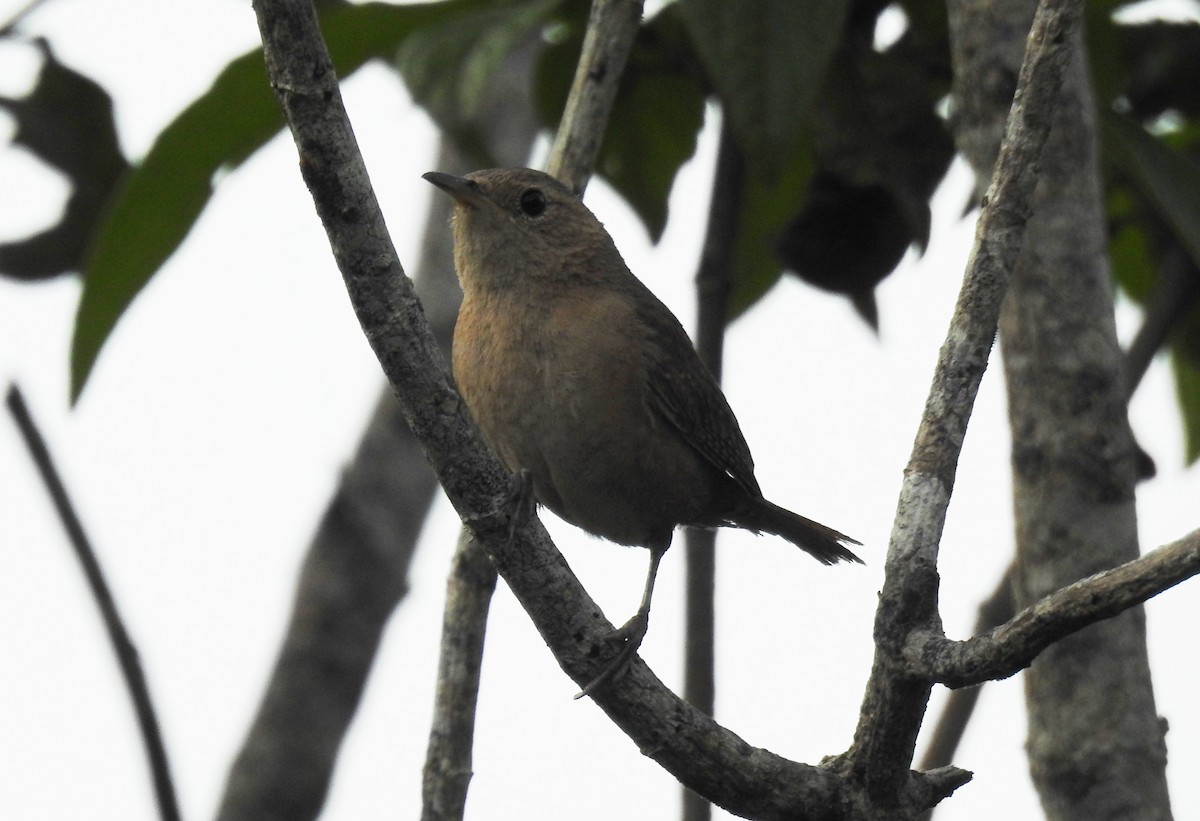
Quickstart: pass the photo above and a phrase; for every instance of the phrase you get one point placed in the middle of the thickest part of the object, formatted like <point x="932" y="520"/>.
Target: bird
<point x="583" y="382"/>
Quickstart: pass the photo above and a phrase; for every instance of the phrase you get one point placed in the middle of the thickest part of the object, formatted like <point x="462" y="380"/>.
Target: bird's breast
<point x="560" y="362"/>
<point x="559" y="388"/>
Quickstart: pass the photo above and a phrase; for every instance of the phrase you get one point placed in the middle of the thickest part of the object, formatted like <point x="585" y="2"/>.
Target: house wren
<point x="581" y="378"/>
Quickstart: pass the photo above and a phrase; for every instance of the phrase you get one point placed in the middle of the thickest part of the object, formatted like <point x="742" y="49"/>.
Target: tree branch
<point x="1074" y="505"/>
<point x="1012" y="646"/>
<point x="894" y="702"/>
<point x="997" y="609"/>
<point x="448" y="760"/>
<point x="354" y="573"/>
<point x="714" y="283"/>
<point x="606" y="44"/>
<point x="701" y="754"/>
<point x="126" y="653"/>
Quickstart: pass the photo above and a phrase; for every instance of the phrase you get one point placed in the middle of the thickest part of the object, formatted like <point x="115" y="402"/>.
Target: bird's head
<point x="518" y="224"/>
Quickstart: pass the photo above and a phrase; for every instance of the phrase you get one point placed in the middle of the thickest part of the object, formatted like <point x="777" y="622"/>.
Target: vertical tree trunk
<point x="1096" y="749"/>
<point x="1095" y="742"/>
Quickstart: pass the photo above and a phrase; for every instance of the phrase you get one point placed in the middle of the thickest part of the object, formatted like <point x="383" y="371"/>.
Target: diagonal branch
<point x="1012" y="646"/>
<point x="127" y="654"/>
<point x="895" y="703"/>
<point x="606" y="44"/>
<point x="703" y="755"/>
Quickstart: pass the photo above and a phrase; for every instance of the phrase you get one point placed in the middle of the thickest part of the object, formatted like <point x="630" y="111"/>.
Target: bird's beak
<point x="463" y="190"/>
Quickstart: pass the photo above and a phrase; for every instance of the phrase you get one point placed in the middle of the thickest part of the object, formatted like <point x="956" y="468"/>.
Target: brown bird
<point x="580" y="378"/>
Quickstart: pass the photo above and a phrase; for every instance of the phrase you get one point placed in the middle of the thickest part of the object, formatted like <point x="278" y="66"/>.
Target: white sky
<point x="208" y="441"/>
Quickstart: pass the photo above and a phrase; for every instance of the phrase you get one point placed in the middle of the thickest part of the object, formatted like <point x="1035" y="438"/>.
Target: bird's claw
<point x="630" y="636"/>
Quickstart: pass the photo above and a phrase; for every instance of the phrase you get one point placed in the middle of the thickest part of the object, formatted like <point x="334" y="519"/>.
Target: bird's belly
<point x="634" y="504"/>
<point x="615" y="470"/>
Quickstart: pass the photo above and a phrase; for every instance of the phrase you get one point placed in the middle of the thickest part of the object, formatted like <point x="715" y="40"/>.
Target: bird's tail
<point x="823" y="543"/>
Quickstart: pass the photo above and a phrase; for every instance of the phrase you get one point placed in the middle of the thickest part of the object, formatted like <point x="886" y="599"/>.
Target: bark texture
<point x="1095" y="742"/>
<point x="448" y="758"/>
<point x="872" y="780"/>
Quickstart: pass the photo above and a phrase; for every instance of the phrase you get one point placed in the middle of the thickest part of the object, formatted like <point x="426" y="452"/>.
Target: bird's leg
<point x="631" y="632"/>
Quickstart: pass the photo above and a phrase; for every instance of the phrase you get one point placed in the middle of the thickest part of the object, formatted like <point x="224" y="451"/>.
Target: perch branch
<point x="703" y="755"/>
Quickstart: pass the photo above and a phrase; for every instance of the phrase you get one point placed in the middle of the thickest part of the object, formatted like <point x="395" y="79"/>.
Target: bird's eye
<point x="533" y="202"/>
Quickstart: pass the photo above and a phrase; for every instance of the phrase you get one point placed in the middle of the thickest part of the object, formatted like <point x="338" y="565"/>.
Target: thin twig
<point x="606" y="44"/>
<point x="448" y="759"/>
<point x="8" y="28"/>
<point x="714" y="283"/>
<point x="127" y="655"/>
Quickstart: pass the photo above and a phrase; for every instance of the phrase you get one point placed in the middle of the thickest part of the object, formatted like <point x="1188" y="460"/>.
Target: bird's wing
<point x="683" y="392"/>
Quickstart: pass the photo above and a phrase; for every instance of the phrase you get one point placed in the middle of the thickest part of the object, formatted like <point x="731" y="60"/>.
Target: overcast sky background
<point x="234" y="390"/>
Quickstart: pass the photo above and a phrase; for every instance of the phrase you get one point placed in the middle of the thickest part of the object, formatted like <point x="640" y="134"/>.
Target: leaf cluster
<point x="1151" y="142"/>
<point x="844" y="140"/>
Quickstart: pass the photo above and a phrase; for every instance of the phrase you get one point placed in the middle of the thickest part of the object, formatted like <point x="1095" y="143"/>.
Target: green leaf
<point x="654" y="134"/>
<point x="1155" y="67"/>
<point x="1187" y="389"/>
<point x="769" y="198"/>
<point x="1169" y="179"/>
<point x="448" y="66"/>
<point x="1133" y="265"/>
<point x="1106" y="59"/>
<point x="160" y="200"/>
<point x="767" y="60"/>
<point x="880" y="152"/>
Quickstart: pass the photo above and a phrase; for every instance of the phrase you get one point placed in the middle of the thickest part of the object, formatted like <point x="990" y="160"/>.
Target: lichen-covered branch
<point x="451" y="739"/>
<point x="894" y="704"/>
<point x="1012" y="646"/>
<point x="1096" y="747"/>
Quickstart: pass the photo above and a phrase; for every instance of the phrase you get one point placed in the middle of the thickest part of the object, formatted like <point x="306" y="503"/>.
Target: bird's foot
<point x="629" y="636"/>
